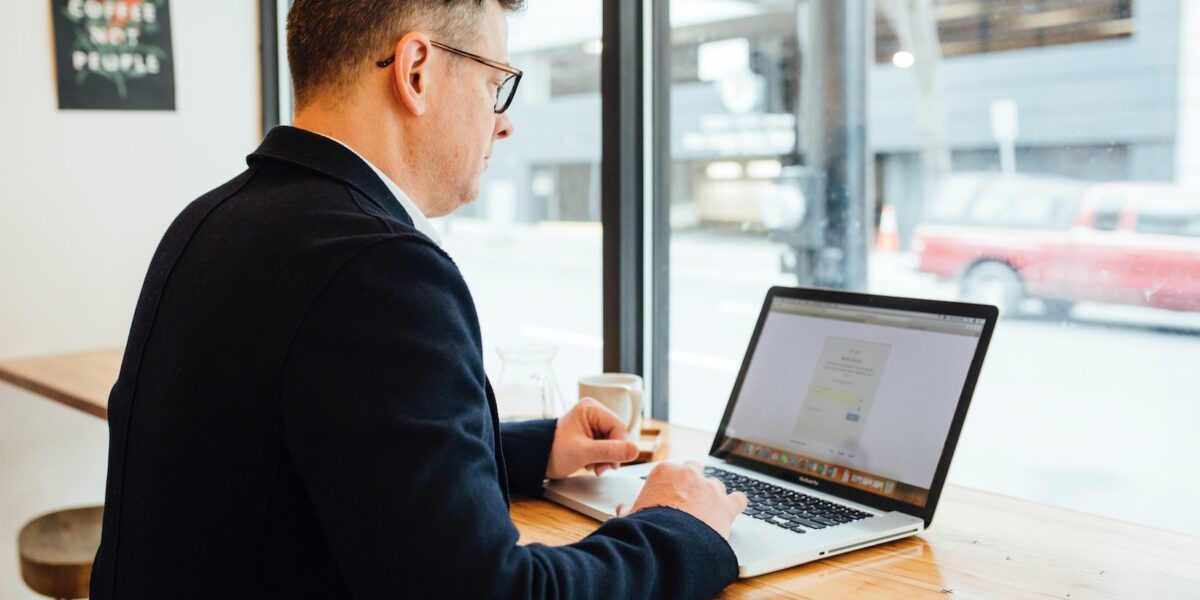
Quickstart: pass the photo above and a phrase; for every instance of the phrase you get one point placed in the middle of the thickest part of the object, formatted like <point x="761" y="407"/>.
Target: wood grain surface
<point x="980" y="545"/>
<point x="81" y="380"/>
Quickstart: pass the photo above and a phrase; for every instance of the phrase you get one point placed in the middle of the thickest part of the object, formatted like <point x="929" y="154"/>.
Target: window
<point x="1108" y="213"/>
<point x="530" y="246"/>
<point x="1169" y="218"/>
<point x="954" y="166"/>
<point x="907" y="152"/>
<point x="972" y="27"/>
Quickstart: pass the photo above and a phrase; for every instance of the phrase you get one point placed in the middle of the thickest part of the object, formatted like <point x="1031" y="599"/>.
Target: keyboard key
<point x="784" y="508"/>
<point x="809" y="524"/>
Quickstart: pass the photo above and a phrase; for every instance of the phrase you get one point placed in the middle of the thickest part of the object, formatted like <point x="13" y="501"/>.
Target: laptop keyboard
<point x="785" y="508"/>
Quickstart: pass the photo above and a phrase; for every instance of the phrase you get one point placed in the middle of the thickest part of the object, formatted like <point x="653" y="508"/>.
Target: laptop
<point x="840" y="427"/>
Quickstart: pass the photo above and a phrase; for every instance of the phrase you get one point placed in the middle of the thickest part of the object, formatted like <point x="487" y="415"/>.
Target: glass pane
<point x="1169" y="217"/>
<point x="994" y="137"/>
<point x="530" y="245"/>
<point x="1108" y="213"/>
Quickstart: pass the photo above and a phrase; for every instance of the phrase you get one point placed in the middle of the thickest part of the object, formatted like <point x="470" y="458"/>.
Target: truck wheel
<point x="994" y="283"/>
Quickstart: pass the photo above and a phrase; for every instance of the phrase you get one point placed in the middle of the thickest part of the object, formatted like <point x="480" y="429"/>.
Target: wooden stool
<point x="57" y="551"/>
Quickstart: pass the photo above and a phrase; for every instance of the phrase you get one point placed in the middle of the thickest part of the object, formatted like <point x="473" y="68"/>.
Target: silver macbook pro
<point x="840" y="427"/>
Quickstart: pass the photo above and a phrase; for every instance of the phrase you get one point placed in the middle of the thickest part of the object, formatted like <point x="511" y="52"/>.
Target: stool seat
<point x="57" y="551"/>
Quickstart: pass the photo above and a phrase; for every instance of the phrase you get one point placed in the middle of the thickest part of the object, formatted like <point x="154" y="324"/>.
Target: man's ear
<point x="410" y="72"/>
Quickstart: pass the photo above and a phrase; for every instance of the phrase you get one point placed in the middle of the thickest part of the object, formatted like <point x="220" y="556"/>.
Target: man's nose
<point x="504" y="126"/>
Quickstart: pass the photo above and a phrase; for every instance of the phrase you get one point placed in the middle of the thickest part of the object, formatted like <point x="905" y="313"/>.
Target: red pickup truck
<point x="1011" y="237"/>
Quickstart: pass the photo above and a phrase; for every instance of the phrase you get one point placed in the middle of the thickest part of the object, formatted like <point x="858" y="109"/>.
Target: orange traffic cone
<point x="887" y="239"/>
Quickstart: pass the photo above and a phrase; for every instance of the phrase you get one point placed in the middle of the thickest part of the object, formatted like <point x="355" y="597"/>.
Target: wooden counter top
<point x="981" y="545"/>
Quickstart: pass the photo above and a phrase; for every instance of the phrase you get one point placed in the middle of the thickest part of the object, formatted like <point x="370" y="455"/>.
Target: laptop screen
<point x="858" y="395"/>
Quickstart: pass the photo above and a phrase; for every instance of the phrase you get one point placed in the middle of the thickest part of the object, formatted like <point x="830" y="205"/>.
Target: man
<point x="302" y="410"/>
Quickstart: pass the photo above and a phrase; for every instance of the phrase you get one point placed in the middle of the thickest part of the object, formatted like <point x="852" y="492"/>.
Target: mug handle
<point x="635" y="407"/>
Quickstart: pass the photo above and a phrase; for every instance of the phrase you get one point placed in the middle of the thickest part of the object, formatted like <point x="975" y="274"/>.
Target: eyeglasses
<point x="504" y="93"/>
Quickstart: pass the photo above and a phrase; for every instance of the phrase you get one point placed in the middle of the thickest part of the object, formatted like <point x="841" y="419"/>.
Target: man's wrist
<point x="526" y="446"/>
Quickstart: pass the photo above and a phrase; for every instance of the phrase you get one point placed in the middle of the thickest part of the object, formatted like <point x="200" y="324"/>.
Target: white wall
<point x="84" y="198"/>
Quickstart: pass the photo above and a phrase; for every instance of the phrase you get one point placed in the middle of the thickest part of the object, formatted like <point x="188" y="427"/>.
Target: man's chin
<point x="456" y="203"/>
<point x="469" y="200"/>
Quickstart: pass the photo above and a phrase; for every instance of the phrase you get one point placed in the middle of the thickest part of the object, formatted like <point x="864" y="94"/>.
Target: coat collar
<point x="327" y="157"/>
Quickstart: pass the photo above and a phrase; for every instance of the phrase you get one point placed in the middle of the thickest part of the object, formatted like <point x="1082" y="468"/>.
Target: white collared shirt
<point x="418" y="218"/>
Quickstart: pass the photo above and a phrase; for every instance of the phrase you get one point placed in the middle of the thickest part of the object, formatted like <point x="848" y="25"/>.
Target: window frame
<point x="635" y="97"/>
<point x="273" y="71"/>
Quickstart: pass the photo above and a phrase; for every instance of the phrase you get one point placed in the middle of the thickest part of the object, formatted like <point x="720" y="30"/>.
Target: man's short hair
<point x="331" y="42"/>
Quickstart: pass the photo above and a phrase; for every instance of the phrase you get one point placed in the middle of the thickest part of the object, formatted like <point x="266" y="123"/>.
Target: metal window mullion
<point x="268" y="39"/>
<point x="660" y="211"/>
<point x="621" y="181"/>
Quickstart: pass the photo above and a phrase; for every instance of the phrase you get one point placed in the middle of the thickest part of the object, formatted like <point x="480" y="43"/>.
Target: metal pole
<point x="836" y="40"/>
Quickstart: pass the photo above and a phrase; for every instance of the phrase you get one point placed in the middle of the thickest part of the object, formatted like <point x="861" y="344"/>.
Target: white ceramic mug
<point x="621" y="393"/>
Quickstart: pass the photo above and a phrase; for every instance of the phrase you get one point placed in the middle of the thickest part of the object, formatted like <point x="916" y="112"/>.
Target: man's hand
<point x="589" y="435"/>
<point x="684" y="487"/>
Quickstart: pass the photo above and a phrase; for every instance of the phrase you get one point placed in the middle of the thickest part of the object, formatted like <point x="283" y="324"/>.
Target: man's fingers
<point x="622" y="510"/>
<point x="718" y="484"/>
<point x="600" y="467"/>
<point x="695" y="466"/>
<point x="601" y="419"/>
<point x="739" y="501"/>
<point x="615" y="451"/>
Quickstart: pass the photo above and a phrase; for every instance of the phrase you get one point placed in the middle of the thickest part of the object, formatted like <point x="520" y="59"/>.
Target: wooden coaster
<point x="653" y="442"/>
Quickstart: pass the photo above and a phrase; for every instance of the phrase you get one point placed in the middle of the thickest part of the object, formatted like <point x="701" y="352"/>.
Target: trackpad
<point x="596" y="497"/>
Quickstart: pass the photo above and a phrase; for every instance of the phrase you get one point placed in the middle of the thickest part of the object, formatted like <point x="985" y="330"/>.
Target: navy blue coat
<point x="302" y="412"/>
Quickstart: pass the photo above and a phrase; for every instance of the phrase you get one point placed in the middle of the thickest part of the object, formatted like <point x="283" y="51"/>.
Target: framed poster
<point x="114" y="54"/>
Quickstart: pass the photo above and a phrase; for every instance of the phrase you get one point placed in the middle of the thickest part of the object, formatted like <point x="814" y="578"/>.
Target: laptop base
<point x="760" y="547"/>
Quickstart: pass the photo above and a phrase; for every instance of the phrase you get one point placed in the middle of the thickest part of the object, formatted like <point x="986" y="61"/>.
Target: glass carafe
<point x="527" y="388"/>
